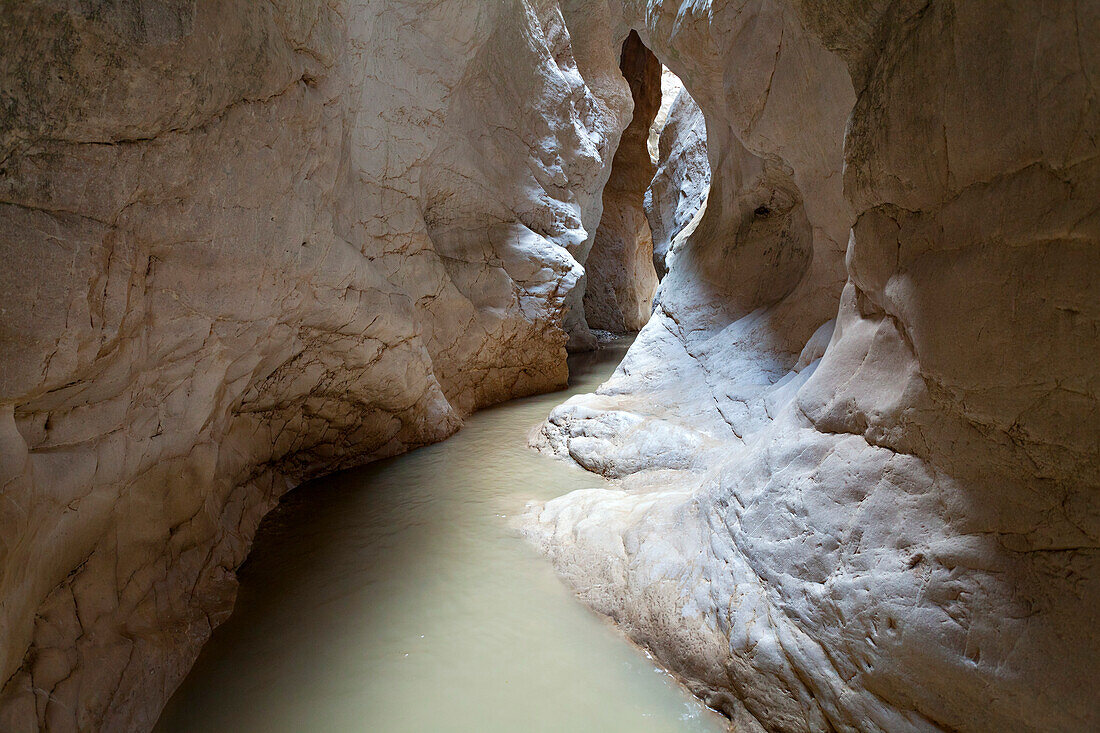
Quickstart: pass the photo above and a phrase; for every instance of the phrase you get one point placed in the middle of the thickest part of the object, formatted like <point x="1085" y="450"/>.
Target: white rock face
<point x="245" y="243"/>
<point x="670" y="89"/>
<point x="678" y="191"/>
<point x="859" y="492"/>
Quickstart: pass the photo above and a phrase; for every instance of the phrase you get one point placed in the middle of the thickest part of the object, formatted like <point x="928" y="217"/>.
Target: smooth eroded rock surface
<point x="245" y="243"/>
<point x="858" y="474"/>
<point x="855" y="450"/>
<point x="678" y="191"/>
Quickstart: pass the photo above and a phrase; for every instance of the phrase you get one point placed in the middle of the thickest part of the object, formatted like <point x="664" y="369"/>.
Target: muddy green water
<point x="399" y="598"/>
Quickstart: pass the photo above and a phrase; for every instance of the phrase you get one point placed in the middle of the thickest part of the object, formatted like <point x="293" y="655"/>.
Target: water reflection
<point x="396" y="598"/>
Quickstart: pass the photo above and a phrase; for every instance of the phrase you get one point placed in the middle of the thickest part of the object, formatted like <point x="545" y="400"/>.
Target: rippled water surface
<point x="398" y="598"/>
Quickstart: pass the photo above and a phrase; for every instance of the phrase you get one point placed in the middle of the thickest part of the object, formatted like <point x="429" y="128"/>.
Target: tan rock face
<point x="857" y="444"/>
<point x="618" y="295"/>
<point x="886" y="521"/>
<point x="245" y="243"/>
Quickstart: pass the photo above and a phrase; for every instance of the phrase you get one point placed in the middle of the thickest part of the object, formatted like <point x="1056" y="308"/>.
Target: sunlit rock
<point x="855" y="451"/>
<point x="678" y="191"/>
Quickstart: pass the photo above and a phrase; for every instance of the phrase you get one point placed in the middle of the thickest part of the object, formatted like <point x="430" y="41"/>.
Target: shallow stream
<point x="398" y="598"/>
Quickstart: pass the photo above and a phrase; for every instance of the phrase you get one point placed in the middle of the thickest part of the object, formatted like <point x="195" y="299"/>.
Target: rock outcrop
<point x="620" y="278"/>
<point x="245" y="243"/>
<point x="859" y="473"/>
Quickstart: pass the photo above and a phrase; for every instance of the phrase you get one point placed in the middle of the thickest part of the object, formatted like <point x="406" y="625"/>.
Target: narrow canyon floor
<point x="399" y="597"/>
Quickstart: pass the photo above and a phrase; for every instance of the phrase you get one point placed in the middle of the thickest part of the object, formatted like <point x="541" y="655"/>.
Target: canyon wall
<point x="243" y="244"/>
<point x="678" y="190"/>
<point x="857" y="448"/>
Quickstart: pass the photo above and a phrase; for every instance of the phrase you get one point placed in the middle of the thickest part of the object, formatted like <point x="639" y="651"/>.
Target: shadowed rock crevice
<point x="620" y="278"/>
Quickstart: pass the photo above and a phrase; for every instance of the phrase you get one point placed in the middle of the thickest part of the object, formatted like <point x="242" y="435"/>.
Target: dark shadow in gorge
<point x="621" y="280"/>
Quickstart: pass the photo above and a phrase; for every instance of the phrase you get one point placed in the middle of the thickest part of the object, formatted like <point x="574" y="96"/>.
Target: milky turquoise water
<point x="399" y="598"/>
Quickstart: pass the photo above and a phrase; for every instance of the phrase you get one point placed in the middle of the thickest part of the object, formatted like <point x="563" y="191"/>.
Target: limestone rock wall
<point x="877" y="507"/>
<point x="620" y="278"/>
<point x="678" y="191"/>
<point x="244" y="243"/>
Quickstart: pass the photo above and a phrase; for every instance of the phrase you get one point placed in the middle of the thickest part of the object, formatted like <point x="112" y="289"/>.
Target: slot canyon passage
<point x="844" y="479"/>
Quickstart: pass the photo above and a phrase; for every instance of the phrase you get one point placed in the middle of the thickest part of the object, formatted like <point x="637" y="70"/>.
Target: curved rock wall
<point x="886" y="521"/>
<point x="678" y="191"/>
<point x="245" y="243"/>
